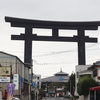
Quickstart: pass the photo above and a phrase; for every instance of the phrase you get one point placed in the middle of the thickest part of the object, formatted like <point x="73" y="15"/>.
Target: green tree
<point x="84" y="84"/>
<point x="32" y="94"/>
<point x="43" y="86"/>
<point x="41" y="93"/>
<point x="71" y="82"/>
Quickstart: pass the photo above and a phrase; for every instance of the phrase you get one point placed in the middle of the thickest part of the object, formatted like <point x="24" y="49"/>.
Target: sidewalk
<point x="62" y="99"/>
<point x="66" y="99"/>
<point x="43" y="98"/>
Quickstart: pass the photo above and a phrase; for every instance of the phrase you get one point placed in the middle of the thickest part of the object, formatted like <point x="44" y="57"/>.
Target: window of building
<point x="38" y="83"/>
<point x="38" y="78"/>
<point x="95" y="73"/>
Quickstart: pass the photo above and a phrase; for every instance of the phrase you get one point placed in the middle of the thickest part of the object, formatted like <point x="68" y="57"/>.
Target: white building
<point x="37" y="80"/>
<point x="95" y="68"/>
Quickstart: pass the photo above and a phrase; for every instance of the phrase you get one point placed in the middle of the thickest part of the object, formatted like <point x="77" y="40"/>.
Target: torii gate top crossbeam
<point x="55" y="26"/>
<point x="18" y="22"/>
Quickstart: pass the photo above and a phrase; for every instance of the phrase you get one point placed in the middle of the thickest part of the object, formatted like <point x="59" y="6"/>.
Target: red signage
<point x="95" y="88"/>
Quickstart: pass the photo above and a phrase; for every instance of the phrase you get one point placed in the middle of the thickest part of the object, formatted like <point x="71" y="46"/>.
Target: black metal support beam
<point x="81" y="47"/>
<point x="53" y="38"/>
<point x="55" y="32"/>
<point x="19" y="22"/>
<point x="28" y="37"/>
<point x="28" y="45"/>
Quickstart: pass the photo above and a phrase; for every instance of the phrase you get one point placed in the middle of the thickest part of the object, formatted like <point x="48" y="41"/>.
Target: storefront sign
<point x="16" y="80"/>
<point x="5" y="70"/>
<point x="4" y="79"/>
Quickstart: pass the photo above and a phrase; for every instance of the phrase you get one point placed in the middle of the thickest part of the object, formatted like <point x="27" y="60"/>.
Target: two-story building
<point x="37" y="80"/>
<point x="11" y="65"/>
<point x="81" y="70"/>
<point x="95" y="91"/>
<point x="95" y="68"/>
<point x="93" y="71"/>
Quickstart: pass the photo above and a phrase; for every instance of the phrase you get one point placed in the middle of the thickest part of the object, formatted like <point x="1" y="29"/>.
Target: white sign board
<point x="4" y="79"/>
<point x="16" y="80"/>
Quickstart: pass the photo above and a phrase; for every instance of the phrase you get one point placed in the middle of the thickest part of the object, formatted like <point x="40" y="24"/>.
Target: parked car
<point x="15" y="98"/>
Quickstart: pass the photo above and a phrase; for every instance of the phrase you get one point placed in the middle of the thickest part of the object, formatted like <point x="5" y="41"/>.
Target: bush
<point x="68" y="96"/>
<point x="84" y="84"/>
<point x="32" y="95"/>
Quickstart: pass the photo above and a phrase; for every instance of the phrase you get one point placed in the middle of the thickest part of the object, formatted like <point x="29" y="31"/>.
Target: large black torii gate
<point x="55" y="26"/>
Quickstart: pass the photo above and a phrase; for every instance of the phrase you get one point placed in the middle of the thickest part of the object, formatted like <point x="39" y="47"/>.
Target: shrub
<point x="84" y="84"/>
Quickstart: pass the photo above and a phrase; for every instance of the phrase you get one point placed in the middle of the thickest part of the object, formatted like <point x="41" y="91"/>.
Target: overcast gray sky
<point x="50" y="57"/>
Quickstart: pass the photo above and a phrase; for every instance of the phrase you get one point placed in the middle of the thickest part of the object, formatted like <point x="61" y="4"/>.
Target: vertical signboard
<point x="21" y="82"/>
<point x="10" y="91"/>
<point x="0" y="84"/>
<point x="16" y="80"/>
<point x="29" y="78"/>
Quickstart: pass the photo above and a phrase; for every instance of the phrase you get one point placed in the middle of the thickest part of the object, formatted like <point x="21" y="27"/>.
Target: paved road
<point x="54" y="98"/>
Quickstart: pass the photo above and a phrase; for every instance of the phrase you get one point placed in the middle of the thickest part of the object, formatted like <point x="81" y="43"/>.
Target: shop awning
<point x="51" y="91"/>
<point x="94" y="88"/>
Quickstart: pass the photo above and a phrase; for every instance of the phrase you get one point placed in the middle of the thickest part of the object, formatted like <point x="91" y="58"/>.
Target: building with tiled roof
<point x="55" y="90"/>
<point x="58" y="77"/>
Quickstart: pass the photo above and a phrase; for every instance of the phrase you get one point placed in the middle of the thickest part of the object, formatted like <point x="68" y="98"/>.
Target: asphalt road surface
<point x="55" y="98"/>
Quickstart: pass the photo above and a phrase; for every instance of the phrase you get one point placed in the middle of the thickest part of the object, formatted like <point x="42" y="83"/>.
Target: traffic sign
<point x="33" y="84"/>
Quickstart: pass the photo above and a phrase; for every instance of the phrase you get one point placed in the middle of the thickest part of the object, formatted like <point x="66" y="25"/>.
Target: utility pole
<point x="70" y="86"/>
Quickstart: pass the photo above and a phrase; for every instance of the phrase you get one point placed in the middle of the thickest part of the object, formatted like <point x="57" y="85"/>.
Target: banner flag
<point x="10" y="91"/>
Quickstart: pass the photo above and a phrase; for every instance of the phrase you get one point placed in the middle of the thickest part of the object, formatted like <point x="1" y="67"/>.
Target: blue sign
<point x="21" y="82"/>
<point x="33" y="84"/>
<point x="61" y="79"/>
<point x="36" y="90"/>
